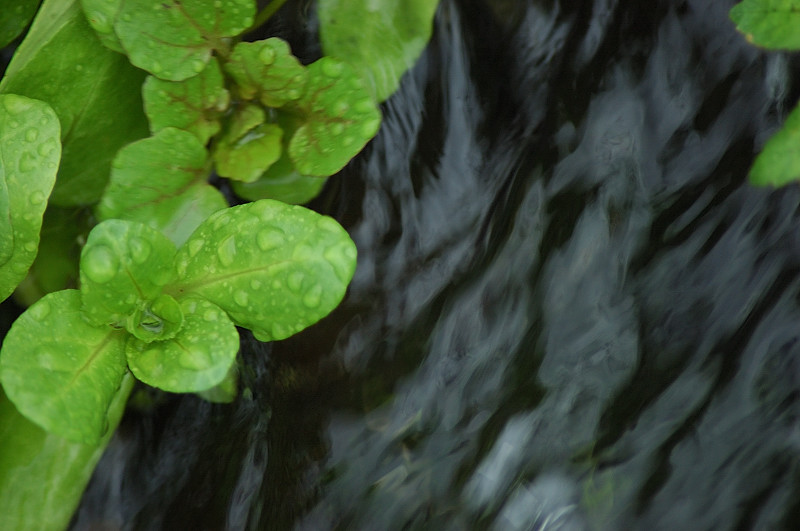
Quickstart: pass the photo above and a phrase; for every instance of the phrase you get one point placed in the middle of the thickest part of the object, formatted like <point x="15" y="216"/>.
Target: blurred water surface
<point x="570" y="311"/>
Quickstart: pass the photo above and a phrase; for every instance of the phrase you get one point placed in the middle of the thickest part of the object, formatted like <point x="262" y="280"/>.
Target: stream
<point x="571" y="311"/>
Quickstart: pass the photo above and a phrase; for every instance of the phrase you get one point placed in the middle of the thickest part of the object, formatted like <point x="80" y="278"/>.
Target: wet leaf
<point x="224" y="392"/>
<point x="249" y="146"/>
<point x="29" y="153"/>
<point x="773" y="24"/>
<point x="14" y="18"/>
<point x="173" y="39"/>
<point x="123" y="267"/>
<point x="339" y="119"/>
<point x="60" y="371"/>
<point x="274" y="268"/>
<point x="385" y="42"/>
<point x="94" y="91"/>
<point x="161" y="181"/>
<point x="194" y="105"/>
<point x="282" y="183"/>
<point x="196" y="359"/>
<point x="101" y="15"/>
<point x="267" y="70"/>
<point x="779" y="162"/>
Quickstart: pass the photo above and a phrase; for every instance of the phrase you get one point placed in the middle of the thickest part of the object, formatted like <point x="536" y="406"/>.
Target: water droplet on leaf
<point x="226" y="251"/>
<point x="32" y="134"/>
<point x="313" y="296"/>
<point x="140" y="250"/>
<point x="40" y="310"/>
<point x="267" y="55"/>
<point x="27" y="162"/>
<point x="295" y="281"/>
<point x="195" y="246"/>
<point x="37" y="198"/>
<point x="101" y="264"/>
<point x="240" y="297"/>
<point x="332" y="68"/>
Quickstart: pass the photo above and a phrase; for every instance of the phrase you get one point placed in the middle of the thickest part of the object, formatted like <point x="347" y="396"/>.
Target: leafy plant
<point x="114" y="117"/>
<point x="775" y="25"/>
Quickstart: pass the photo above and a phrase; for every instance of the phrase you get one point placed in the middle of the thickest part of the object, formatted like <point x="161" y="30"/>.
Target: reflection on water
<point x="570" y="309"/>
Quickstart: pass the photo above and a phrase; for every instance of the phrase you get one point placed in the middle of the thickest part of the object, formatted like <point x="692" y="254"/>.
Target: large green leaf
<point x="173" y="39"/>
<point x="14" y="17"/>
<point x="772" y="24"/>
<point x="779" y="162"/>
<point x="339" y="118"/>
<point x="382" y="39"/>
<point x="194" y="105"/>
<point x="29" y="153"/>
<point x="94" y="91"/>
<point x="248" y="146"/>
<point x="123" y="267"/>
<point x="267" y="70"/>
<point x="42" y="476"/>
<point x="197" y="359"/>
<point x="60" y="371"/>
<point x="274" y="268"/>
<point x="161" y="181"/>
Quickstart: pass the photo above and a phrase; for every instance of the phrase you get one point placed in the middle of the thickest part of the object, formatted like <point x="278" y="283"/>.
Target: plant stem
<point x="266" y="13"/>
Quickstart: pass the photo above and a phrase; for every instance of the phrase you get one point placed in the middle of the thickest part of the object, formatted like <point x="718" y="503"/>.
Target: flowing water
<point x="570" y="312"/>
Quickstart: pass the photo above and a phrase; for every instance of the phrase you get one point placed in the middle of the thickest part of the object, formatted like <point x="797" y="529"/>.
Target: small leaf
<point x="274" y="268"/>
<point x="158" y="320"/>
<point x="29" y="153"/>
<point x="173" y="39"/>
<point x="14" y="17"/>
<point x="267" y="70"/>
<point x="101" y="15"/>
<point x="60" y="371"/>
<point x="340" y="118"/>
<point x="773" y="24"/>
<point x="161" y="181"/>
<point x="249" y="146"/>
<point x="387" y="40"/>
<point x="779" y="162"/>
<point x="196" y="359"/>
<point x="123" y="267"/>
<point x="194" y="105"/>
<point x="94" y="92"/>
<point x="282" y="183"/>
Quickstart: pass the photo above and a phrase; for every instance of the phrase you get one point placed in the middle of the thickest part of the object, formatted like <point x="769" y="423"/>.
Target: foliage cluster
<point x="119" y="119"/>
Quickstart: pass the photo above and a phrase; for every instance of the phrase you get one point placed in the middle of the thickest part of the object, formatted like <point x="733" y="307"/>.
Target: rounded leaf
<point x="779" y="162"/>
<point x="274" y="268"/>
<point x="282" y="183"/>
<point x="386" y="41"/>
<point x="267" y="70"/>
<point x="161" y="181"/>
<point x="101" y="15"/>
<point x="249" y="146"/>
<point x="29" y="155"/>
<point x="60" y="371"/>
<point x="195" y="104"/>
<point x="196" y="359"/>
<point x="173" y="39"/>
<point x="340" y="117"/>
<point x="123" y="267"/>
<point x="773" y="24"/>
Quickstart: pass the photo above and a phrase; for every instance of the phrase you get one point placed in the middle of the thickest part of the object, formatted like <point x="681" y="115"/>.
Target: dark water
<point x="570" y="312"/>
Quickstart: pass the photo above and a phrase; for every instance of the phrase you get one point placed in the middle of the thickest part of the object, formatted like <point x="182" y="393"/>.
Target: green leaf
<point x="29" y="152"/>
<point x="101" y="15"/>
<point x="385" y="42"/>
<point x="282" y="183"/>
<point x="94" y="91"/>
<point x="224" y="392"/>
<point x="773" y="24"/>
<point x="173" y="39"/>
<point x="194" y="105"/>
<point x="161" y="181"/>
<point x="158" y="320"/>
<point x="42" y="476"/>
<point x="249" y="146"/>
<point x="779" y="162"/>
<point x="198" y="358"/>
<point x="123" y="267"/>
<point x="267" y="70"/>
<point x="340" y="118"/>
<point x="14" y="17"/>
<point x="60" y="371"/>
<point x="274" y="268"/>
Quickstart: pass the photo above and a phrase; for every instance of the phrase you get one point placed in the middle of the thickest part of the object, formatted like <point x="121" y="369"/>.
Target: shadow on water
<point x="571" y="311"/>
